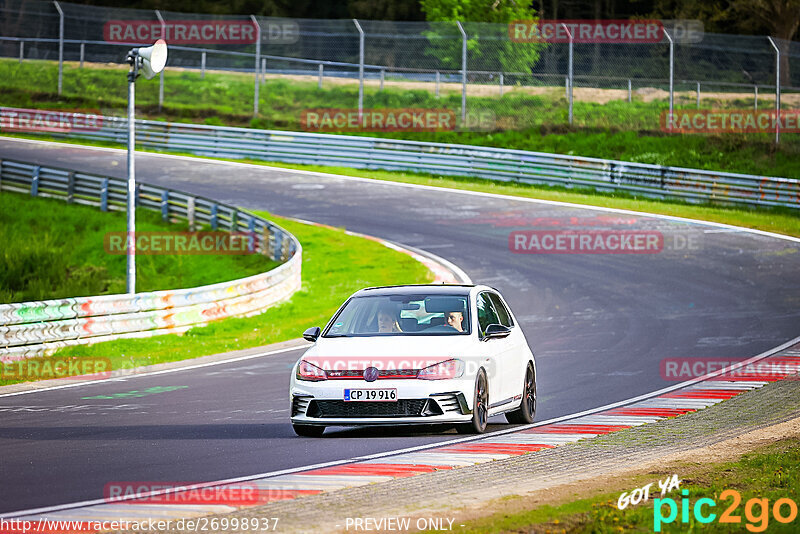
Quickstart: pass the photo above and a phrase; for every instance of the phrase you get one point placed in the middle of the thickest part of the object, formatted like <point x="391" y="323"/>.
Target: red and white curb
<point x="686" y="397"/>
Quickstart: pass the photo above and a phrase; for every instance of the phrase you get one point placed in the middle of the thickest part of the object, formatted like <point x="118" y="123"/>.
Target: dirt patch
<point x="581" y="94"/>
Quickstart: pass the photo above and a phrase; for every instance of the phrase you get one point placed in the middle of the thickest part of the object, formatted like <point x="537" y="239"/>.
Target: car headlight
<point x="310" y="372"/>
<point x="442" y="370"/>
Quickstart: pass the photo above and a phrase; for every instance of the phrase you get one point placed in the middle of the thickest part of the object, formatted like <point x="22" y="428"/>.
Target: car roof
<point x="416" y="289"/>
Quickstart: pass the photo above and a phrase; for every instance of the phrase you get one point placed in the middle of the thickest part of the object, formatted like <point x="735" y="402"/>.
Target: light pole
<point x="149" y="61"/>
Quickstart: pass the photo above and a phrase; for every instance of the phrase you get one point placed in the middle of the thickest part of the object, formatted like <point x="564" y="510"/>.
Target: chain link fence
<point x="478" y="72"/>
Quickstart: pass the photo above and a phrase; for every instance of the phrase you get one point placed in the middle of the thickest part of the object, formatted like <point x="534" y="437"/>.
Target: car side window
<point x="502" y="312"/>
<point x="486" y="313"/>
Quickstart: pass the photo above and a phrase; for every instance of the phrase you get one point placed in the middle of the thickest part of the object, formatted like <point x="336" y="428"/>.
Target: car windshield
<point x="395" y="315"/>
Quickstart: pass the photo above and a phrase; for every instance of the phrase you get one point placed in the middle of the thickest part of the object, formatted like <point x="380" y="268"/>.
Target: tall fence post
<point x="501" y="84"/>
<point x="263" y="70"/>
<point x="463" y="73"/>
<point x="670" y="117"/>
<point x="321" y="73"/>
<point x="83" y="52"/>
<point x="570" y="79"/>
<point x="698" y="95"/>
<point x="383" y="75"/>
<point x="161" y="74"/>
<point x="629" y="90"/>
<point x="60" y="46"/>
<point x="360" y="70"/>
<point x="777" y="91"/>
<point x="202" y="66"/>
<point x="21" y="51"/>
<point x="755" y="98"/>
<point x="438" y="77"/>
<point x="258" y="61"/>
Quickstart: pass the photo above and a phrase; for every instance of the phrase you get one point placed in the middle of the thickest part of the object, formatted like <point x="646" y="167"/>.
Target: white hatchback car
<point x="417" y="354"/>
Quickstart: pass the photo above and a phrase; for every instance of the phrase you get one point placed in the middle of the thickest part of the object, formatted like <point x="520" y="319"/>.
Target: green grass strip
<point x="50" y="249"/>
<point x="335" y="265"/>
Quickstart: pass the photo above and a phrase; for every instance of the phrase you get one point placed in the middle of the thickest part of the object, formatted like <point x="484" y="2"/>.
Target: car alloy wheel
<point x="480" y="409"/>
<point x="527" y="408"/>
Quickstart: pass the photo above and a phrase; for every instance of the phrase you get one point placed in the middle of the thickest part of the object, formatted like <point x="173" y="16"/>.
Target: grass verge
<point x="335" y="265"/>
<point x="50" y="249"/>
<point x="614" y="129"/>
<point x="768" y="473"/>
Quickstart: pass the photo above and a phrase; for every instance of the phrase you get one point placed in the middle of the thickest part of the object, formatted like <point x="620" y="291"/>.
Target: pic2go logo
<point x="756" y="511"/>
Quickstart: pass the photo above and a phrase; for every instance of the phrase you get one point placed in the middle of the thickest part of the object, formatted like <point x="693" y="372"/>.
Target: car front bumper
<point x="418" y="402"/>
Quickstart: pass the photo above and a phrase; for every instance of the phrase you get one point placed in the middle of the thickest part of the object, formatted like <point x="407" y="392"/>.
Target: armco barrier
<point x="31" y="329"/>
<point x="459" y="160"/>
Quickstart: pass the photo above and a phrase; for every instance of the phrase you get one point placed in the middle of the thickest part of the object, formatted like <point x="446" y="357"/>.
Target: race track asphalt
<point x="602" y="327"/>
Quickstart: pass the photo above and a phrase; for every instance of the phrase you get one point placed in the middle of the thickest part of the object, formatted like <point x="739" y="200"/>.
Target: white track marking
<point x="153" y="373"/>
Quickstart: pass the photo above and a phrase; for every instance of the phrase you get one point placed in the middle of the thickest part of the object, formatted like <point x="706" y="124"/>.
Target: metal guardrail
<point x="506" y="165"/>
<point x="32" y="329"/>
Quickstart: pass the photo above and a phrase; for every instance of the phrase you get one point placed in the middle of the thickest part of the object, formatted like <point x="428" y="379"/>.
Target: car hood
<point x="390" y="352"/>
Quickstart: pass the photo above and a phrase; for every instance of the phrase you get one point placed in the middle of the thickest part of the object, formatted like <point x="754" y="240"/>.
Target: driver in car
<point x="454" y="319"/>
<point x="387" y="320"/>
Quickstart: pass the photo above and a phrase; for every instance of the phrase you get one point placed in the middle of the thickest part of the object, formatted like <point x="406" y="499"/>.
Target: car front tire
<point x="527" y="408"/>
<point x="480" y="408"/>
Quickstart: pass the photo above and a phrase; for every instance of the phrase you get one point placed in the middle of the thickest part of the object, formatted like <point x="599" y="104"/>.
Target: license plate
<point x="370" y="395"/>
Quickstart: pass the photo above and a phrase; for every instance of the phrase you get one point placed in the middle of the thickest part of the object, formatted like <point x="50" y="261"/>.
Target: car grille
<point x="340" y="408"/>
<point x="387" y="373"/>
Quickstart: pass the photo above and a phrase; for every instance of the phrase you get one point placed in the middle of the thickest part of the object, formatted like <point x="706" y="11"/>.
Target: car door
<point x="515" y="360"/>
<point x="498" y="351"/>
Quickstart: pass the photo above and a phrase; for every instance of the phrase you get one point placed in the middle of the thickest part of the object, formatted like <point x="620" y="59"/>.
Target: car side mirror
<point x="311" y="334"/>
<point x="495" y="331"/>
